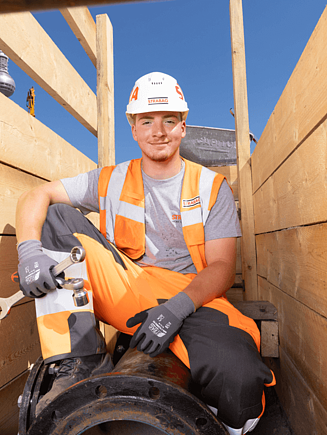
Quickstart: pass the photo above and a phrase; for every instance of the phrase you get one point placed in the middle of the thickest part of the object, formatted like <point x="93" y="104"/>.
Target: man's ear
<point x="183" y="128"/>
<point x="134" y="132"/>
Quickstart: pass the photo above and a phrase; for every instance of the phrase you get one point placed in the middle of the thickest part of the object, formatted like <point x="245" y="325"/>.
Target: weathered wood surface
<point x="8" y="265"/>
<point x="9" y="409"/>
<point x="105" y="91"/>
<point x="296" y="261"/>
<point x="305" y="412"/>
<point x="19" y="338"/>
<point x="302" y="337"/>
<point x="300" y="109"/>
<point x="269" y="339"/>
<point x="294" y="195"/>
<point x="83" y="25"/>
<point x="12" y="184"/>
<point x="30" y="47"/>
<point x="257" y="310"/>
<point x="27" y="144"/>
<point x="31" y="5"/>
<point x="243" y="150"/>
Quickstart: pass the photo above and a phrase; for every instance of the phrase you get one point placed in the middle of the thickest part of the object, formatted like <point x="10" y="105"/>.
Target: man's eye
<point x="170" y="121"/>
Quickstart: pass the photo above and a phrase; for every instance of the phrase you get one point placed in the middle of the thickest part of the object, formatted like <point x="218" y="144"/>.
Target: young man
<point x="158" y="270"/>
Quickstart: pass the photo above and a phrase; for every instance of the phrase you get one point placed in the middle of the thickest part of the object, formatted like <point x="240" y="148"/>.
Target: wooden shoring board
<point x="8" y="265"/>
<point x="12" y="184"/>
<point x="105" y="91"/>
<point x="30" y="47"/>
<point x="29" y="145"/>
<point x="303" y="335"/>
<point x="9" y="410"/>
<point x="296" y="261"/>
<point x="243" y="150"/>
<point x="300" y="109"/>
<point x="295" y="194"/>
<point x="303" y="409"/>
<point x="19" y="339"/>
<point x="83" y="26"/>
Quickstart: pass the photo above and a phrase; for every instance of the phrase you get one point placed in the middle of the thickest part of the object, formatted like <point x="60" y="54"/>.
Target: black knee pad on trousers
<point x="225" y="362"/>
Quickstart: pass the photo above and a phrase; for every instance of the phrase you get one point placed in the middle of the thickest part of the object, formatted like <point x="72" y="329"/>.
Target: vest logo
<point x="191" y="202"/>
<point x="157" y="100"/>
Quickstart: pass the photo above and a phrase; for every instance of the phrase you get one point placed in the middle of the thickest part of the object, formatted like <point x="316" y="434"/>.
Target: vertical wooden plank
<point x="105" y="91"/>
<point x="249" y="269"/>
<point x="82" y="24"/>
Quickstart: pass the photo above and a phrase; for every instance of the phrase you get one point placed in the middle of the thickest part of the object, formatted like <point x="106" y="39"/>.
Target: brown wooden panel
<point x="230" y="172"/>
<point x="303" y="335"/>
<point x="9" y="409"/>
<point x="294" y="194"/>
<point x="303" y="409"/>
<point x="28" y="144"/>
<point x="30" y="47"/>
<point x="82" y="24"/>
<point x="8" y="265"/>
<point x="19" y="340"/>
<point x="299" y="110"/>
<point x="296" y="261"/>
<point x="12" y="184"/>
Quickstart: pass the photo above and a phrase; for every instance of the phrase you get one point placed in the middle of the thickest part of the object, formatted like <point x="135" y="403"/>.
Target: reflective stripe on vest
<point x="121" y="202"/>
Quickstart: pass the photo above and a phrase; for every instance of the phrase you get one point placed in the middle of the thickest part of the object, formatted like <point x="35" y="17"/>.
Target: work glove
<point x="160" y="324"/>
<point x="34" y="269"/>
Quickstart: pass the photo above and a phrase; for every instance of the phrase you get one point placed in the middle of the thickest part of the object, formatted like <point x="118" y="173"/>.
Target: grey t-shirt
<point x="164" y="241"/>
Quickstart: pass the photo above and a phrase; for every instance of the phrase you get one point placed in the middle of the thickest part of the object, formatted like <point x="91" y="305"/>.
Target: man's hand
<point x="160" y="324"/>
<point x="34" y="269"/>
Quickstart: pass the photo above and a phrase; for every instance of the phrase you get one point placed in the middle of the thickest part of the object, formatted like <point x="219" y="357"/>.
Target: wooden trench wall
<point x="289" y="192"/>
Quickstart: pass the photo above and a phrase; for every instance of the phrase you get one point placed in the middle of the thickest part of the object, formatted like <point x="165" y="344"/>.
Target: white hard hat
<point x="156" y="92"/>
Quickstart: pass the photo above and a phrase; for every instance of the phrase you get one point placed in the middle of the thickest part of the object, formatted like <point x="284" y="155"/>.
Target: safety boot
<point x="73" y="370"/>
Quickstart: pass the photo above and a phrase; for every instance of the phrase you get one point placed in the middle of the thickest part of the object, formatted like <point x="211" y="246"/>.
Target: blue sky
<point x="190" y="40"/>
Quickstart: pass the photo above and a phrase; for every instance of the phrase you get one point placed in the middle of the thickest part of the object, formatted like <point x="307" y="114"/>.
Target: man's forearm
<point x="211" y="282"/>
<point x="30" y="215"/>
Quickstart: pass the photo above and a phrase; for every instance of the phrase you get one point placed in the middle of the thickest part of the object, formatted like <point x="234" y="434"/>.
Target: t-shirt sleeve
<point x="83" y="190"/>
<point x="223" y="220"/>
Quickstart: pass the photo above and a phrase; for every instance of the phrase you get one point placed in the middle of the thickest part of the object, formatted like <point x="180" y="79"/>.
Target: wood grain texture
<point x="294" y="194"/>
<point x="83" y="25"/>
<point x="296" y="261"/>
<point x="19" y="339"/>
<point x="105" y="91"/>
<point x="9" y="411"/>
<point x="27" y="144"/>
<point x="29" y="46"/>
<point x="303" y="409"/>
<point x="300" y="109"/>
<point x="243" y="149"/>
<point x="303" y="335"/>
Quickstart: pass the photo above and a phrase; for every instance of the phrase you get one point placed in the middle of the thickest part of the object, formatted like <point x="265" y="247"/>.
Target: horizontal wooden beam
<point x="32" y="5"/>
<point x="295" y="260"/>
<point x="302" y="337"/>
<point x="83" y="25"/>
<point x="30" y="47"/>
<point x="294" y="195"/>
<point x="25" y="142"/>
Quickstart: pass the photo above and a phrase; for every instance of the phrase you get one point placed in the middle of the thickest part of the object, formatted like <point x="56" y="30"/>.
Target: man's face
<point x="159" y="134"/>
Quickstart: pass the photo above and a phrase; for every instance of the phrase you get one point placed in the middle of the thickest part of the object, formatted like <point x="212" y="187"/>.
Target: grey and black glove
<point x="34" y="269"/>
<point x="160" y="324"/>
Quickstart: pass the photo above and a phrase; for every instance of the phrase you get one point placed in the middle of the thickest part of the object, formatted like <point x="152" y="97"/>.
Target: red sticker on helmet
<point x="179" y="91"/>
<point x="134" y="94"/>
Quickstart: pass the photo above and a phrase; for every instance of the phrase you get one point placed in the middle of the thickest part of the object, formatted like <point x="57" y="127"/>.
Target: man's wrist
<point x="181" y="305"/>
<point x="28" y="248"/>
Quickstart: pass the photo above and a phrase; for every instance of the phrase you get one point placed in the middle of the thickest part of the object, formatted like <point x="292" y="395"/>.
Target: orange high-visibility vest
<point x="121" y="204"/>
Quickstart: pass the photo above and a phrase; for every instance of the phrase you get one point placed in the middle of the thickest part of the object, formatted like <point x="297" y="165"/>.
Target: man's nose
<point x="159" y="128"/>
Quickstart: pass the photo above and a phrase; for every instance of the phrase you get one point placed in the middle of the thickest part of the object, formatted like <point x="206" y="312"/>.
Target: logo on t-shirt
<point x="191" y="202"/>
<point x="176" y="218"/>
